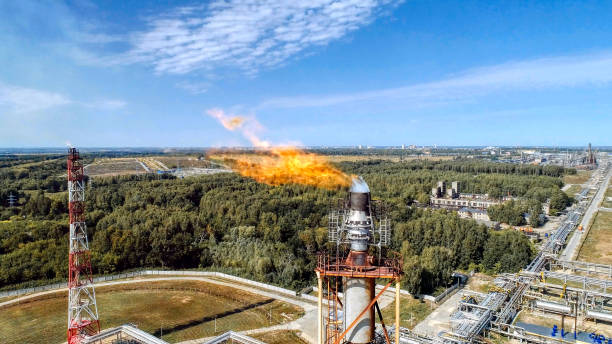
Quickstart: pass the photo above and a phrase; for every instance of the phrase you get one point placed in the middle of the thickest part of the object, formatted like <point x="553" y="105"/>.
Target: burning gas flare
<point x="277" y="165"/>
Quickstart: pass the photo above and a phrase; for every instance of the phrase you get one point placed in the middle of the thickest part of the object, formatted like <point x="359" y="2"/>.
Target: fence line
<point x="162" y="273"/>
<point x="204" y="274"/>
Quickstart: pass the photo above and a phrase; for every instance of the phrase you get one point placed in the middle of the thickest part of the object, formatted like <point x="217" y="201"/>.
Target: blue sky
<point x="322" y="72"/>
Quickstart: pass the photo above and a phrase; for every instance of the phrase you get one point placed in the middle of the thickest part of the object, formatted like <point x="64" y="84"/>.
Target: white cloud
<point x="106" y="104"/>
<point x="194" y="87"/>
<point x="245" y="34"/>
<point x="21" y="99"/>
<point x="97" y="38"/>
<point x="545" y="73"/>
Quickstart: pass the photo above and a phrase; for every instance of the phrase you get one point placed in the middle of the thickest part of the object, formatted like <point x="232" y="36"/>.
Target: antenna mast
<point x="82" y="309"/>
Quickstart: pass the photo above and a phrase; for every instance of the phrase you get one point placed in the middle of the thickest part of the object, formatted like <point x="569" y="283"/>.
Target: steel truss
<point x="82" y="308"/>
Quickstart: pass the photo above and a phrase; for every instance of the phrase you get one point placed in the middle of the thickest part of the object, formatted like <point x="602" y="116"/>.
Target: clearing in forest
<point x="114" y="167"/>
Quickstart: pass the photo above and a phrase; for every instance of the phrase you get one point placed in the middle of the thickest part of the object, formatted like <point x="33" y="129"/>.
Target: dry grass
<point x="183" y="314"/>
<point x="114" y="167"/>
<point x="280" y="337"/>
<point x="579" y="178"/>
<point x="480" y="283"/>
<point x="412" y="311"/>
<point x="184" y="162"/>
<point x="573" y="190"/>
<point x="596" y="247"/>
<point x="27" y="165"/>
<point x="607" y="200"/>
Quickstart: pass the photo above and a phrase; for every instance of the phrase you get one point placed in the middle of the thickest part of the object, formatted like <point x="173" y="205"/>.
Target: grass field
<point x="480" y="283"/>
<point x="280" y="337"/>
<point x="607" y="200"/>
<point x="579" y="178"/>
<point x="185" y="313"/>
<point x="114" y="167"/>
<point x="25" y="166"/>
<point x="184" y="162"/>
<point x="573" y="190"/>
<point x="596" y="247"/>
<point x="412" y="311"/>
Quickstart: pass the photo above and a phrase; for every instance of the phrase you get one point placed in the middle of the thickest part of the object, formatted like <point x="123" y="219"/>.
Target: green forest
<point x="228" y="223"/>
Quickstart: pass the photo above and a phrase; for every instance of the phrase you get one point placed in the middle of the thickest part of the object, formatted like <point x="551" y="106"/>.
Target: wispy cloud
<point x="245" y="34"/>
<point x="96" y="38"/>
<point x="22" y="99"/>
<point x="194" y="87"/>
<point x="19" y="99"/>
<point x="544" y="73"/>
<point x="106" y="104"/>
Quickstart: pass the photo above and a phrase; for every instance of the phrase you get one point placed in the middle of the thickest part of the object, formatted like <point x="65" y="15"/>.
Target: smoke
<point x="277" y="165"/>
<point x="359" y="185"/>
<point x="248" y="127"/>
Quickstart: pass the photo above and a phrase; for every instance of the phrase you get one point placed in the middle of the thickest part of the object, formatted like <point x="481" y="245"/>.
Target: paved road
<point x="571" y="250"/>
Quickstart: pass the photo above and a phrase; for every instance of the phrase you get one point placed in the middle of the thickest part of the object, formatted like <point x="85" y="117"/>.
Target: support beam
<point x="320" y="310"/>
<point x="382" y="322"/>
<point x="397" y="310"/>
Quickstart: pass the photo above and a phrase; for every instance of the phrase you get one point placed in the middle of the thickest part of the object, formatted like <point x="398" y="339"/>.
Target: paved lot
<point x="438" y="320"/>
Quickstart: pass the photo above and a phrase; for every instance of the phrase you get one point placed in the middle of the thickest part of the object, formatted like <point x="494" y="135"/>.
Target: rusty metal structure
<point x="82" y="309"/>
<point x="361" y="227"/>
<point x="591" y="159"/>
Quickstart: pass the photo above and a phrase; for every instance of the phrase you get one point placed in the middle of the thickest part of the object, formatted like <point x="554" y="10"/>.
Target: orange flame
<point x="279" y="165"/>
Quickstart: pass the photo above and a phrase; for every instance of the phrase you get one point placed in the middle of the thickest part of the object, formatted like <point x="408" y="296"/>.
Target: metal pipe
<point x="397" y="310"/>
<point x="599" y="315"/>
<point x="553" y="306"/>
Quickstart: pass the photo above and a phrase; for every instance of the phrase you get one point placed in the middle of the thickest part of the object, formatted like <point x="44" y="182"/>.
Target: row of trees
<point x="226" y="222"/>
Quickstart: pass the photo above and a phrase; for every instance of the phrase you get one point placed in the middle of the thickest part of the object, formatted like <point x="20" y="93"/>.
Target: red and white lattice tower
<point x="82" y="309"/>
